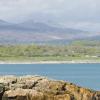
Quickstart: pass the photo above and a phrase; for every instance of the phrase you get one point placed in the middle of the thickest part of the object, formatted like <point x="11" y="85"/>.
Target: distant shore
<point x="50" y="62"/>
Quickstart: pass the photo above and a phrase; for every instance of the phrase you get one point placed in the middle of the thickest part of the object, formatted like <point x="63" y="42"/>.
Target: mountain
<point x="31" y="31"/>
<point x="4" y="23"/>
<point x="43" y="27"/>
<point x="35" y="27"/>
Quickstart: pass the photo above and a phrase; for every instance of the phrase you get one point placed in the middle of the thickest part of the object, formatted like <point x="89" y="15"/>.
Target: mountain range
<point x="38" y="32"/>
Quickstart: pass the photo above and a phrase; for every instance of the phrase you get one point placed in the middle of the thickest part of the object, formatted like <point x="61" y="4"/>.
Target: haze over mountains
<point x="39" y="32"/>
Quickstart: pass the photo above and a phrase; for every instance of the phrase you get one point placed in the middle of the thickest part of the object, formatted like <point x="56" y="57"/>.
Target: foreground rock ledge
<point x="40" y="88"/>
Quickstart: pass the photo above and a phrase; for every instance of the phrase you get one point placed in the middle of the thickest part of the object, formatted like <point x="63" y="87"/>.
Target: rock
<point x="96" y="96"/>
<point x="41" y="88"/>
<point x="48" y="85"/>
<point x="28" y="94"/>
<point x="59" y="97"/>
<point x="79" y="92"/>
<point x="22" y="94"/>
<point x="1" y="91"/>
<point x="8" y="79"/>
<point x="14" y="95"/>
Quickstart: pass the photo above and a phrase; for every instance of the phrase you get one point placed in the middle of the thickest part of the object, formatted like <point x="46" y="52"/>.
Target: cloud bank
<point x="57" y="11"/>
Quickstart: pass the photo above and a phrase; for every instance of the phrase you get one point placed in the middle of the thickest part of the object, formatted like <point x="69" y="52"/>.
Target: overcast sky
<point x="82" y="14"/>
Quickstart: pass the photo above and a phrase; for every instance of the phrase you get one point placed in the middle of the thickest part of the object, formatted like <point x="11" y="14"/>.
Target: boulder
<point x="96" y="96"/>
<point x="28" y="94"/>
<point x="2" y="89"/>
<point x="41" y="88"/>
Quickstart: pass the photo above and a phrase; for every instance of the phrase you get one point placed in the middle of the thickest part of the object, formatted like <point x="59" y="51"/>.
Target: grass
<point x="52" y="58"/>
<point x="75" y="51"/>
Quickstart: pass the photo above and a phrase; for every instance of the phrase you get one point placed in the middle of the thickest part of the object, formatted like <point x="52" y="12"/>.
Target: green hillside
<point x="78" y="50"/>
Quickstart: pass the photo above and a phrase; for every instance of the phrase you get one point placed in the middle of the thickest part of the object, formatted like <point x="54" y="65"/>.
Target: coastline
<point x="51" y="62"/>
<point x="42" y="88"/>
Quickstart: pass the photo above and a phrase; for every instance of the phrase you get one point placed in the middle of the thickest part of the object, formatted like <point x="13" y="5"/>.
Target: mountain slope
<point x="30" y="31"/>
<point x="43" y="27"/>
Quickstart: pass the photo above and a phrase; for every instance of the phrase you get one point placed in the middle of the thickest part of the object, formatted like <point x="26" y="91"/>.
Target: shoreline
<point x="51" y="62"/>
<point x="42" y="88"/>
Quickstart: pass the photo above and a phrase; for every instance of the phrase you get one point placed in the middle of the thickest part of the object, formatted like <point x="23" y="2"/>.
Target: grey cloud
<point x="61" y="11"/>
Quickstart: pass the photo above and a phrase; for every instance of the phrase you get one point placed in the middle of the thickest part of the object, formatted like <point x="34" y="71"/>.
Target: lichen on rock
<point x="41" y="88"/>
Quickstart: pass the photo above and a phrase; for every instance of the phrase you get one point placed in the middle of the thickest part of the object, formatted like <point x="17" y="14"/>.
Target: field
<point x="77" y="50"/>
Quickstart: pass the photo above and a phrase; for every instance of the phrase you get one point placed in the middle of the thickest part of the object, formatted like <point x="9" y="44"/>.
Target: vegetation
<point x="79" y="50"/>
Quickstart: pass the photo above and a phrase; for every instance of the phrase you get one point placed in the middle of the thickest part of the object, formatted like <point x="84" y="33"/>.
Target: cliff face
<point x="40" y="88"/>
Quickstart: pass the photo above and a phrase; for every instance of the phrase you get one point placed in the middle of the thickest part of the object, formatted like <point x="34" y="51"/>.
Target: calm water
<point x="87" y="75"/>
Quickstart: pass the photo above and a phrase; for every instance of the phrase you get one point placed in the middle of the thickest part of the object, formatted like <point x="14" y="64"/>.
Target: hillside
<point x="36" y="32"/>
<point x="76" y="51"/>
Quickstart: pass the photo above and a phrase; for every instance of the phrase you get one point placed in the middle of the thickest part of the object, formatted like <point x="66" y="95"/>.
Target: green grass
<point x="75" y="51"/>
<point x="51" y="58"/>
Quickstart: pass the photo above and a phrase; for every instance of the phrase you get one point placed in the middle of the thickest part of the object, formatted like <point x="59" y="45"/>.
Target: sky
<point x="79" y="14"/>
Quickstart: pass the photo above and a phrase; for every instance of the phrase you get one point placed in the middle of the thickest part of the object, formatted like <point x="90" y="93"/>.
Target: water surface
<point x="87" y="75"/>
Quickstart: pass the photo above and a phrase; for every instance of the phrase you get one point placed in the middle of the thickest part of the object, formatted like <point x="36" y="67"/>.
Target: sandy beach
<point x="49" y="62"/>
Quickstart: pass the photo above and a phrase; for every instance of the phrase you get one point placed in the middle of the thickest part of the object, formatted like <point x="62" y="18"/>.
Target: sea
<point x="85" y="75"/>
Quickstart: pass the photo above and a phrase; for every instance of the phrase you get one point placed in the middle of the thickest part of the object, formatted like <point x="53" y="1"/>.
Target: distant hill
<point x="3" y="23"/>
<point x="43" y="27"/>
<point x="30" y="32"/>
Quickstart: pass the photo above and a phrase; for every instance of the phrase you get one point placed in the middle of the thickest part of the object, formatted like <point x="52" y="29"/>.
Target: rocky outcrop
<point x="40" y="88"/>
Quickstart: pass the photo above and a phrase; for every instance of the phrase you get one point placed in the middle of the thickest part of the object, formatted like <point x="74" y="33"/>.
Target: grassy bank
<point x="75" y="51"/>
